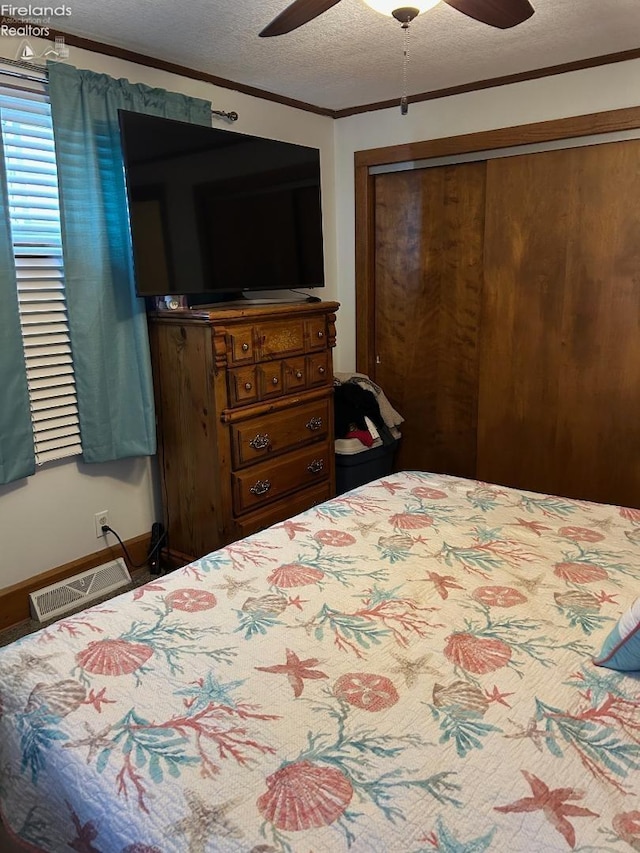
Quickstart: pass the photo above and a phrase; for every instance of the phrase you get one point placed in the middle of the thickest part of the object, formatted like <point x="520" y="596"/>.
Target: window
<point x="29" y="161"/>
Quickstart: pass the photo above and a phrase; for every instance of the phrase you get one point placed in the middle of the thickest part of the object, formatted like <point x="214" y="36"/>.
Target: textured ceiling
<point x="352" y="55"/>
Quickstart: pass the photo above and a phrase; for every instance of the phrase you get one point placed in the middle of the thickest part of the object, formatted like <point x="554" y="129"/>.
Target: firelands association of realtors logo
<point x="33" y="21"/>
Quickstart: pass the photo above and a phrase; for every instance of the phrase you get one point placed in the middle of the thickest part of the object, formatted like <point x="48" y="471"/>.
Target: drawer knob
<point x="261" y="487"/>
<point x="245" y="347"/>
<point x="298" y="374"/>
<point x="321" y="335"/>
<point x="322" y="371"/>
<point x="275" y="380"/>
<point x="316" y="466"/>
<point x="260" y="441"/>
<point x="314" y="424"/>
<point x="248" y="386"/>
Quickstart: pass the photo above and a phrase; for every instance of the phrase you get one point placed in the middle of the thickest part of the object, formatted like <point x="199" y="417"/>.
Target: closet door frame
<point x="594" y="124"/>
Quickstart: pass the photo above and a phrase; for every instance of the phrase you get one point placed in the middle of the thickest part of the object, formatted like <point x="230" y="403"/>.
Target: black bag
<point x="352" y="404"/>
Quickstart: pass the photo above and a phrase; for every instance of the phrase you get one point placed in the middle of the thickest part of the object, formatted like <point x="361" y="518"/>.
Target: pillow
<point x="621" y="649"/>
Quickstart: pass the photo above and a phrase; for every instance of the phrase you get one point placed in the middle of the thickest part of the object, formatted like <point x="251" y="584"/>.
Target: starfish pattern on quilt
<point x="203" y="821"/>
<point x="296" y="670"/>
<point x="554" y="803"/>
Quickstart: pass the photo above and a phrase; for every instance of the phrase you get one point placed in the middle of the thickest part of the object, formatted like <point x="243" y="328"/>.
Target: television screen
<point x="217" y="212"/>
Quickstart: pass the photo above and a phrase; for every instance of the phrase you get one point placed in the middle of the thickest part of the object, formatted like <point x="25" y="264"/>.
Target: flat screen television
<point x="215" y="213"/>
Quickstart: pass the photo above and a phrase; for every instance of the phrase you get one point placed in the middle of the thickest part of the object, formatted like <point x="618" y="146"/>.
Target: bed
<point x="407" y="667"/>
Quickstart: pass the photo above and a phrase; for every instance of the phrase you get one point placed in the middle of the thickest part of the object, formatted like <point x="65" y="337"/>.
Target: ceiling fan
<point x="496" y="13"/>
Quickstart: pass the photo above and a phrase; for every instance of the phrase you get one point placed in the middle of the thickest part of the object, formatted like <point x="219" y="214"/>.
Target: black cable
<point x="309" y="298"/>
<point x="106" y="529"/>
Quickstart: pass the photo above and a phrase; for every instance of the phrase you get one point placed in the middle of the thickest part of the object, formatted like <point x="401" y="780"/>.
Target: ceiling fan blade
<point x="496" y="13"/>
<point x="298" y="13"/>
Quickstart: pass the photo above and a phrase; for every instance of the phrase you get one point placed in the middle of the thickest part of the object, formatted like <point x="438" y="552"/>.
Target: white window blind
<point x="25" y="119"/>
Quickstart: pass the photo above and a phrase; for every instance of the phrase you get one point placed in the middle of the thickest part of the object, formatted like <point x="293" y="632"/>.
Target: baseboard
<point x="14" y="600"/>
<point x="172" y="559"/>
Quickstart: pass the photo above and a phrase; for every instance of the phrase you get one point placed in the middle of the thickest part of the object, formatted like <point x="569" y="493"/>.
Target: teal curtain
<point x="17" y="457"/>
<point x="107" y="322"/>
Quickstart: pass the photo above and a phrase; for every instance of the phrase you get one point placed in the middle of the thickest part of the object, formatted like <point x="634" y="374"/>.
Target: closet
<point x="504" y="316"/>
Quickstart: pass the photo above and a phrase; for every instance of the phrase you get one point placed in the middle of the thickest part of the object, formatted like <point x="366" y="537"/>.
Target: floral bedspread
<point x="404" y="668"/>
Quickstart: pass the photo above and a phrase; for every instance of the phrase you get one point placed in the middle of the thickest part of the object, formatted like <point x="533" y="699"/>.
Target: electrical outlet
<point x="100" y="519"/>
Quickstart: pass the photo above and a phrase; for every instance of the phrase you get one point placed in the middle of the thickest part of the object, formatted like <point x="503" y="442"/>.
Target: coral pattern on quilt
<point x="407" y="667"/>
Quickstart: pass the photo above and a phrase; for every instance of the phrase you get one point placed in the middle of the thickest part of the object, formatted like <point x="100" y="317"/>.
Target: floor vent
<point x="78" y="591"/>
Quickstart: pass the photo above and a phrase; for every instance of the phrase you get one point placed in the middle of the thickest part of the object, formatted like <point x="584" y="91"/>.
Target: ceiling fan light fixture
<point x="390" y="7"/>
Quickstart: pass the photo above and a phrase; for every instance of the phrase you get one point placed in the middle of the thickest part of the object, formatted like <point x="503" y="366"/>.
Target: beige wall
<point x="47" y="520"/>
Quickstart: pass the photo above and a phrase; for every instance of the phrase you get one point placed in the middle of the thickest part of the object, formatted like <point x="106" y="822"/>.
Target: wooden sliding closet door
<point x="559" y="383"/>
<point x="429" y="227"/>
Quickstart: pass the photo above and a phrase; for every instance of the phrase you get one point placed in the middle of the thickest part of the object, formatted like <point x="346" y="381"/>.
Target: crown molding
<point x="223" y="83"/>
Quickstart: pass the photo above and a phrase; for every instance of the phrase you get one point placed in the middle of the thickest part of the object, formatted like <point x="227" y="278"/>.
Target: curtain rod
<point x="29" y="66"/>
<point x="232" y="116"/>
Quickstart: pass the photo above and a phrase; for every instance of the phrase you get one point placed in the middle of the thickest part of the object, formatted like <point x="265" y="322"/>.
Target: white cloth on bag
<point x="389" y="415"/>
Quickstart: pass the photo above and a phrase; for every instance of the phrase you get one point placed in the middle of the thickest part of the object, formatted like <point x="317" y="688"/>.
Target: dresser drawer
<point x="276" y="432"/>
<point x="282" y="510"/>
<point x="316" y="333"/>
<point x="243" y="386"/>
<point x="270" y="380"/>
<point x="276" y="340"/>
<point x="294" y="374"/>
<point x="240" y="345"/>
<point x="318" y="370"/>
<point x="262" y="484"/>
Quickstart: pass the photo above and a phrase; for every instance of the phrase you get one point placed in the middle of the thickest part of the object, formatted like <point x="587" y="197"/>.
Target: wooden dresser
<point x="244" y="401"/>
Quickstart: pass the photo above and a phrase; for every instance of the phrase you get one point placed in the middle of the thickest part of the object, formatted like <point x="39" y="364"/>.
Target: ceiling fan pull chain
<point x="404" y="103"/>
